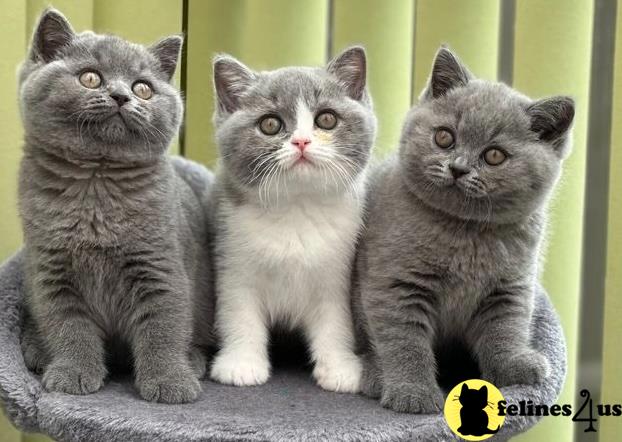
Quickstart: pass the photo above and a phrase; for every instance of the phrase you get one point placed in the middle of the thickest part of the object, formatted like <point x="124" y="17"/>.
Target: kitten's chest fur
<point x="303" y="234"/>
<point x="461" y="261"/>
<point x="292" y="256"/>
<point x="77" y="207"/>
<point x="469" y="255"/>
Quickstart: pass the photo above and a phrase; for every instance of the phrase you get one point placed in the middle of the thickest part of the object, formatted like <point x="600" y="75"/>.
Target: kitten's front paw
<point x="342" y="375"/>
<point x="69" y="377"/>
<point x="412" y="398"/>
<point x="240" y="369"/>
<point x="176" y="386"/>
<point x="528" y="368"/>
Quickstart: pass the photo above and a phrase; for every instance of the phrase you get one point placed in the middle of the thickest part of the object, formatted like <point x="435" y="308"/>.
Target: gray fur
<point x="289" y="408"/>
<point x="445" y="258"/>
<point x="115" y="237"/>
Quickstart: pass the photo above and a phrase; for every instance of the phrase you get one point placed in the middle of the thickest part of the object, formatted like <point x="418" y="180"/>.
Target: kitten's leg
<point x="401" y="324"/>
<point x="75" y="344"/>
<point x="72" y="340"/>
<point x="198" y="361"/>
<point x="499" y="336"/>
<point x="36" y="357"/>
<point x="331" y="337"/>
<point x="243" y="356"/>
<point x="161" y="334"/>
<point x="371" y="379"/>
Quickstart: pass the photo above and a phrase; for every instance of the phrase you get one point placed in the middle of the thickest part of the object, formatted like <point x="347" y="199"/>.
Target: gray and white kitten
<point x="114" y="229"/>
<point x="454" y="230"/>
<point x="295" y="143"/>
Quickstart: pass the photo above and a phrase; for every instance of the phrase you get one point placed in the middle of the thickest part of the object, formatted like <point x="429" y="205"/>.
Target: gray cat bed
<point x="290" y="407"/>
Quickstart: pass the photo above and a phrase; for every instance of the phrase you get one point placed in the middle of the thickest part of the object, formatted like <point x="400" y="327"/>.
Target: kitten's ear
<point x="551" y="118"/>
<point x="465" y="388"/>
<point x="484" y="390"/>
<point x="167" y="51"/>
<point x="52" y="33"/>
<point x="448" y="72"/>
<point x="350" y="67"/>
<point x="231" y="79"/>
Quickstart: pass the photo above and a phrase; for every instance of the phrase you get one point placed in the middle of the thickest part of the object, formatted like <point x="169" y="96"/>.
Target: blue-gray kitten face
<point x="480" y="150"/>
<point x="303" y="129"/>
<point x="97" y="96"/>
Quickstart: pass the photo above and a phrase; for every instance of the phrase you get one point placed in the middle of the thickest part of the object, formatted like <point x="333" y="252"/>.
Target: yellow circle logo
<point x="471" y="410"/>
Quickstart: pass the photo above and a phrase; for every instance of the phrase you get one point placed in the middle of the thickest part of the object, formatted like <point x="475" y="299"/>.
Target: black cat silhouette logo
<point x="470" y="410"/>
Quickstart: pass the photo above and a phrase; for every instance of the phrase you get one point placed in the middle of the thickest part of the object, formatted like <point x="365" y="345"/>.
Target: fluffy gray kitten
<point x="295" y="143"/>
<point x="454" y="230"/>
<point x="114" y="229"/>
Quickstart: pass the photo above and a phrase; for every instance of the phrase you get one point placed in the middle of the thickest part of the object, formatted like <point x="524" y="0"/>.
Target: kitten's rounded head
<point x="479" y="150"/>
<point x="294" y="130"/>
<point x="98" y="97"/>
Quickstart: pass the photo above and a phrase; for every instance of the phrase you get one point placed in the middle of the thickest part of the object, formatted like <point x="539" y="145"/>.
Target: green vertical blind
<point x="612" y="356"/>
<point x="552" y="57"/>
<point x="552" y="45"/>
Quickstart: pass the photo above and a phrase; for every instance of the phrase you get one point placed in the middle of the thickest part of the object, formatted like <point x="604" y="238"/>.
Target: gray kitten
<point x="295" y="144"/>
<point x="114" y="229"/>
<point x="454" y="231"/>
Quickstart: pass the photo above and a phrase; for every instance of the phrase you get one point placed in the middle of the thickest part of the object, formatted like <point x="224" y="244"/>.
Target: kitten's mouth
<point x="302" y="160"/>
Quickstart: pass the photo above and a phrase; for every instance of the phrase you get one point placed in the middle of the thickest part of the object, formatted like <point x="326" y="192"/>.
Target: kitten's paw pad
<point x="198" y="362"/>
<point x="240" y="369"/>
<point x="178" y="387"/>
<point x="341" y="375"/>
<point x="412" y="398"/>
<point x="69" y="377"/>
<point x="527" y="368"/>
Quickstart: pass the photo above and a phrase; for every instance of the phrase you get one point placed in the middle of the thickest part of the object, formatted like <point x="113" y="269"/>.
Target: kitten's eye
<point x="444" y="138"/>
<point x="326" y="120"/>
<point x="270" y="125"/>
<point x="90" y="79"/>
<point x="494" y="156"/>
<point x="142" y="90"/>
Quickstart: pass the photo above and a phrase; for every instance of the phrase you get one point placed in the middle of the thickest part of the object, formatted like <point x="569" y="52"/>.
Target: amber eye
<point x="90" y="79"/>
<point x="270" y="125"/>
<point x="142" y="90"/>
<point x="444" y="138"/>
<point x="494" y="156"/>
<point x="326" y="120"/>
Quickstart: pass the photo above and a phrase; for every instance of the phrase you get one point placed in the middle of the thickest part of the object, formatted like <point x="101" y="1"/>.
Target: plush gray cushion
<point x="290" y="407"/>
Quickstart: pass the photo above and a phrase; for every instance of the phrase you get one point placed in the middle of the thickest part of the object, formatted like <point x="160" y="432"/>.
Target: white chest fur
<point x="290" y="254"/>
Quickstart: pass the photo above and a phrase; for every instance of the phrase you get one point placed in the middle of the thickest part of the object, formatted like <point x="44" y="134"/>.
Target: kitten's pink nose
<point x="301" y="142"/>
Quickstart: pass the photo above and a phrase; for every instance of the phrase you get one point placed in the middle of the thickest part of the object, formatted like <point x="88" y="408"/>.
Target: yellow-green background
<point x="551" y="55"/>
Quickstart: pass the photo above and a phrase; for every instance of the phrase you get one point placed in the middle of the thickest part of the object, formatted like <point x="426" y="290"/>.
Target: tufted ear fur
<point x="51" y="34"/>
<point x="167" y="51"/>
<point x="551" y="117"/>
<point x="448" y="72"/>
<point x="350" y="67"/>
<point x="231" y="79"/>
